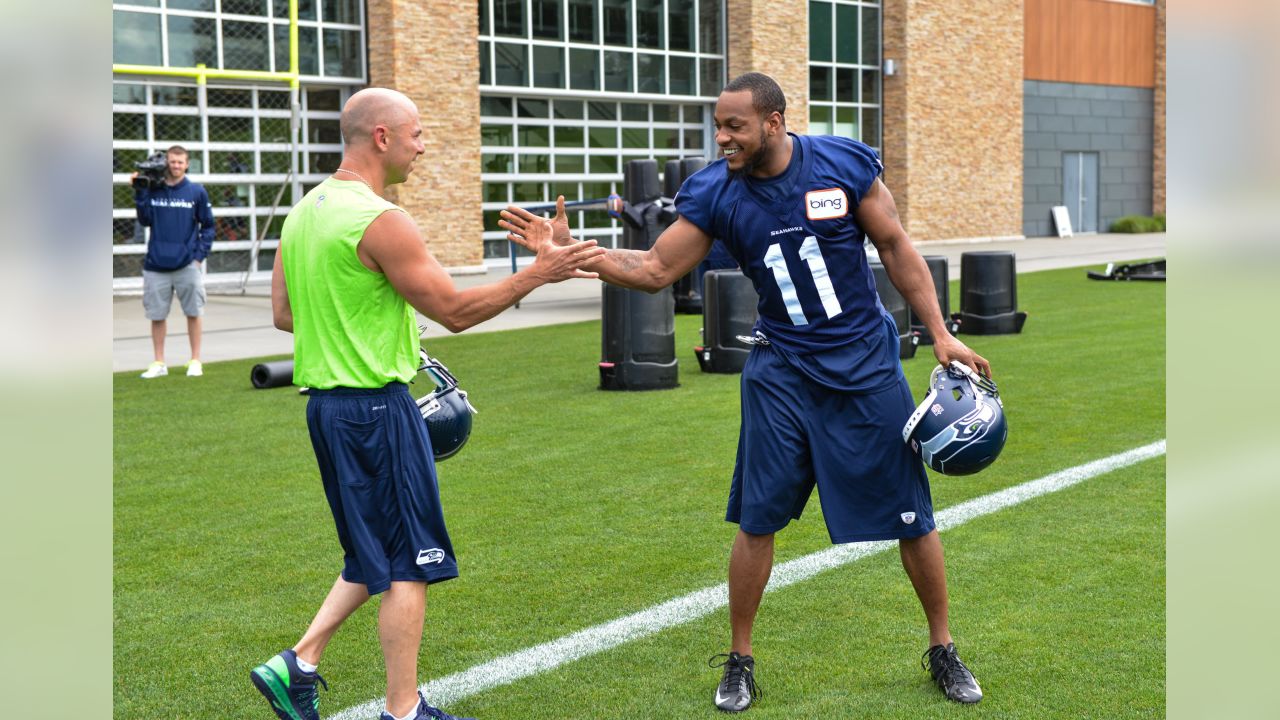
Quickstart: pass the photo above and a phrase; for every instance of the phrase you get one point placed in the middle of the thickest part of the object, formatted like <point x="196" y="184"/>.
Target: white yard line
<point x="550" y="655"/>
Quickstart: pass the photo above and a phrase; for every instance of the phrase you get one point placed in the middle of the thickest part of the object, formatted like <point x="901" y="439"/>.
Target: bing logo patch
<point x="826" y="204"/>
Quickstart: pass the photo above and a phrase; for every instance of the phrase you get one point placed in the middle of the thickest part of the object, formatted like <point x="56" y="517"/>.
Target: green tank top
<point x="350" y="326"/>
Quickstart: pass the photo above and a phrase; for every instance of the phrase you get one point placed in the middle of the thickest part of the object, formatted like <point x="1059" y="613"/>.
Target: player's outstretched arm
<point x="393" y="245"/>
<point x="878" y="216"/>
<point x="674" y="253"/>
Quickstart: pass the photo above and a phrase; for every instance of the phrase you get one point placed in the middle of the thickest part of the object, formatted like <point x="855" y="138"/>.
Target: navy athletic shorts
<point x="796" y="433"/>
<point x="380" y="478"/>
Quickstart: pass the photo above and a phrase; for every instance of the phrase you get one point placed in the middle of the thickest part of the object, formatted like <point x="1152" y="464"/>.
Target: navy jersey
<point x="796" y="238"/>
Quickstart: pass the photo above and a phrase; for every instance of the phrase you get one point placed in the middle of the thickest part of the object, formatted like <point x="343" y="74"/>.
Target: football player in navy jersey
<point x="824" y="399"/>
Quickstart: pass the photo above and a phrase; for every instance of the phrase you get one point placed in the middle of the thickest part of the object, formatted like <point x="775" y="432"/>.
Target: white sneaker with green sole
<point x="157" y="369"/>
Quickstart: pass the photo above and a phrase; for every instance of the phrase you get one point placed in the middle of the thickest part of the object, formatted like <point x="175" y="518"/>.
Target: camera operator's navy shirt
<point x="796" y="238"/>
<point x="181" y="222"/>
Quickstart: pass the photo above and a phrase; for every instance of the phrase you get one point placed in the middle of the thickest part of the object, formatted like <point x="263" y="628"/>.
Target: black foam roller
<point x="272" y="374"/>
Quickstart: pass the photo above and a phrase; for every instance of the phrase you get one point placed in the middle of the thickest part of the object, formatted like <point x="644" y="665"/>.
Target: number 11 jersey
<point x="796" y="237"/>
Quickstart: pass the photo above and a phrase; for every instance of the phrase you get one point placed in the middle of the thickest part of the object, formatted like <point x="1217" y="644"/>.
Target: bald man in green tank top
<point x="351" y="269"/>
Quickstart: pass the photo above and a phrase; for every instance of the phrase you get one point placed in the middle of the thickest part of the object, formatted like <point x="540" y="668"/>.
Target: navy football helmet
<point x="445" y="409"/>
<point x="960" y="428"/>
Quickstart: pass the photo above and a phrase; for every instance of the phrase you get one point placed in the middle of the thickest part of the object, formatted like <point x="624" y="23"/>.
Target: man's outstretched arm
<point x="393" y="245"/>
<point x="676" y="251"/>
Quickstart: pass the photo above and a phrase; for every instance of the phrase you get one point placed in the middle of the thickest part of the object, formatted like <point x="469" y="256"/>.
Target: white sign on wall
<point x="1062" y="220"/>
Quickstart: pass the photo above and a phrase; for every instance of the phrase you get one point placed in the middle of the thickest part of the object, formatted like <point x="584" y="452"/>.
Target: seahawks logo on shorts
<point x="433" y="555"/>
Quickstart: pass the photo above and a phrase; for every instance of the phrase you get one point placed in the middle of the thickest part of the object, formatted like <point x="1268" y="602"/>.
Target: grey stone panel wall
<point x="1115" y="122"/>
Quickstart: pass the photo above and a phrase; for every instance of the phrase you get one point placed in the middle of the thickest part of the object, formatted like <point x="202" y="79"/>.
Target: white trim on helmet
<point x="920" y="410"/>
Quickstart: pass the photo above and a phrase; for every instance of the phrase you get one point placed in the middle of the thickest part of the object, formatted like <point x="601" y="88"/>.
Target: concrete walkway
<point x="239" y="326"/>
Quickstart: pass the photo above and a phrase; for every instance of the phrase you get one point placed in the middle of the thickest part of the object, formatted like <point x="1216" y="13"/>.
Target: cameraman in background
<point x="181" y="221"/>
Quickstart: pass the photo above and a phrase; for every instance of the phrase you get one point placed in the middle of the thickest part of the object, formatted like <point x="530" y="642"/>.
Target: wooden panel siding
<point x="1097" y="42"/>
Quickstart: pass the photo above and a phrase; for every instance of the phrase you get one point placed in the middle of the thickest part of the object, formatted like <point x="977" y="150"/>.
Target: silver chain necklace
<point x="361" y="178"/>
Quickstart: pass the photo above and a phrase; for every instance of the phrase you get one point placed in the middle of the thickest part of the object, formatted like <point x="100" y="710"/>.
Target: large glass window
<point x="346" y="12"/>
<point x="546" y="19"/>
<point x="597" y="83"/>
<point x="243" y="35"/>
<point x="582" y="20"/>
<point x="548" y="66"/>
<point x="245" y="46"/>
<point x="534" y="150"/>
<point x="604" y="43"/>
<point x="844" y="69"/>
<point x="135" y="38"/>
<point x="681" y="24"/>
<point x="343" y="53"/>
<point x="192" y="41"/>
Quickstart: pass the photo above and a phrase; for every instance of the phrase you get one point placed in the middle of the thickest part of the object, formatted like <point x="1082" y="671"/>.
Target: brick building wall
<point x="893" y="101"/>
<point x="1157" y="151"/>
<point x="953" y="116"/>
<point x="772" y="38"/>
<point x="429" y="50"/>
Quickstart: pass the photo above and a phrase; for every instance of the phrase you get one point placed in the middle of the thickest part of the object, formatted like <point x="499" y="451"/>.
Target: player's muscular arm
<point x="877" y="214"/>
<point x="626" y="260"/>
<point x="393" y="245"/>
<point x="675" y="253"/>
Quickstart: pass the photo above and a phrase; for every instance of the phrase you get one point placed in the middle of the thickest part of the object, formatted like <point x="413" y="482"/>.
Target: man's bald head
<point x="372" y="107"/>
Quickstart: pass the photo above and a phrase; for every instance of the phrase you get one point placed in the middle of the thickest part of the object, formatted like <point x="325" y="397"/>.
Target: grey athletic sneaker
<point x="950" y="674"/>
<point x="292" y="693"/>
<point x="426" y="712"/>
<point x="737" y="686"/>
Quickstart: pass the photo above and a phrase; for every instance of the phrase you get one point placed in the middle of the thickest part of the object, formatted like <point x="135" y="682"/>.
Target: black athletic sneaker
<point x="738" y="686"/>
<point x="951" y="675"/>
<point x="291" y="692"/>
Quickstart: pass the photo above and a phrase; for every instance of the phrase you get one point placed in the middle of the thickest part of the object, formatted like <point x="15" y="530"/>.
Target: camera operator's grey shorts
<point x="158" y="289"/>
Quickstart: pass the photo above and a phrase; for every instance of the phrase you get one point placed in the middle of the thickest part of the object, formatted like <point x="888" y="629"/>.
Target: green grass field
<point x="571" y="507"/>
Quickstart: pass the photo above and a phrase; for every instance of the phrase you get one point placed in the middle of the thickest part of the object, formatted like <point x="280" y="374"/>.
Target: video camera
<point x="151" y="171"/>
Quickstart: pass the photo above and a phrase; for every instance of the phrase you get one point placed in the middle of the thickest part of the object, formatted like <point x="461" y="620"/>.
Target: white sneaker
<point x="195" y="369"/>
<point x="157" y="369"/>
